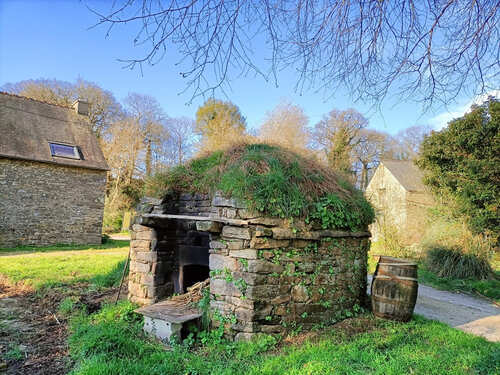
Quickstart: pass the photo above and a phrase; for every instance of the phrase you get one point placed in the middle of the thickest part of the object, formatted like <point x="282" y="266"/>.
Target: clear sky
<point x="52" y="39"/>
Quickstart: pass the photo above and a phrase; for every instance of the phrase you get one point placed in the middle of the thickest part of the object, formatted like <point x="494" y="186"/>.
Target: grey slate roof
<point x="27" y="126"/>
<point x="407" y="173"/>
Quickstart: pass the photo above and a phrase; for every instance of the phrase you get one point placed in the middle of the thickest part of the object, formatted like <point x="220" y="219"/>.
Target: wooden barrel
<point x="394" y="289"/>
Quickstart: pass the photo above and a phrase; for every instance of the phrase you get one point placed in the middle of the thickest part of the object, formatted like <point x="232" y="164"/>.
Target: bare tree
<point x="149" y="115"/>
<point x="370" y="147"/>
<point x="47" y="90"/>
<point x="181" y="140"/>
<point x="123" y="153"/>
<point x="425" y="50"/>
<point x="337" y="134"/>
<point x="103" y="110"/>
<point x="286" y="125"/>
<point x="408" y="141"/>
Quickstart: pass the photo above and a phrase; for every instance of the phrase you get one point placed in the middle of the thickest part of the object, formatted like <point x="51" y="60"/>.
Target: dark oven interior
<point x="191" y="256"/>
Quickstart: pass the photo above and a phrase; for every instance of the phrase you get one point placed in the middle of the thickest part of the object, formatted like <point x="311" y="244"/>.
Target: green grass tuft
<point x="274" y="181"/>
<point x="68" y="306"/>
<point x="14" y="353"/>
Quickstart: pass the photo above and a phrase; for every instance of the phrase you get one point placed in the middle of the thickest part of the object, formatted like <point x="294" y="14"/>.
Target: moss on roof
<point x="274" y="181"/>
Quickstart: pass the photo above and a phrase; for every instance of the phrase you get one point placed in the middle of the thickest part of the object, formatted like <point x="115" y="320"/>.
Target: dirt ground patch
<point x="347" y="327"/>
<point x="33" y="336"/>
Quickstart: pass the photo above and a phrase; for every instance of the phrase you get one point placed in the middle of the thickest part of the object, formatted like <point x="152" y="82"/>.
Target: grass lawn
<point x="111" y="342"/>
<point x="52" y="266"/>
<point x="110" y="244"/>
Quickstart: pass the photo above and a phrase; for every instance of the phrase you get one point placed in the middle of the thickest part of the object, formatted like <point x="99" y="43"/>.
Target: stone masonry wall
<point x="266" y="275"/>
<point x="270" y="277"/>
<point x="43" y="204"/>
<point x="154" y="245"/>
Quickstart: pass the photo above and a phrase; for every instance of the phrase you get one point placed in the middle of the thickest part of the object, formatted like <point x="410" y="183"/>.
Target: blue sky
<point x="52" y="39"/>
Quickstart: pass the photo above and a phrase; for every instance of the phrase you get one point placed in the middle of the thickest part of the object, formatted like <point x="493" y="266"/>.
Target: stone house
<point x="264" y="276"/>
<point x="52" y="174"/>
<point x="401" y="200"/>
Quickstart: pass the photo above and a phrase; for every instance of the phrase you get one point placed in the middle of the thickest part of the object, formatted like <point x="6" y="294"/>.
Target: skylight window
<point x="64" y="151"/>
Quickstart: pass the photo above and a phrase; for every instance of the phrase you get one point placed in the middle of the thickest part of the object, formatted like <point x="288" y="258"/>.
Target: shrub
<point x="454" y="263"/>
<point x="444" y="230"/>
<point x="462" y="165"/>
<point x="105" y="239"/>
<point x="112" y="221"/>
<point x="453" y="250"/>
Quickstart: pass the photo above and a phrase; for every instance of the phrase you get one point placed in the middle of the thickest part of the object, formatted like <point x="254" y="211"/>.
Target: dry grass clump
<point x="456" y="264"/>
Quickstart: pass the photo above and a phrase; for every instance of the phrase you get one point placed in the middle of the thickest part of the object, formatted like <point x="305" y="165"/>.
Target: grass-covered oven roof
<point x="274" y="181"/>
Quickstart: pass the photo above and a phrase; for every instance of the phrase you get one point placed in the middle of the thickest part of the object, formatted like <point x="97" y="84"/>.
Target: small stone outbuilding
<point x="401" y="200"/>
<point x="266" y="274"/>
<point x="52" y="174"/>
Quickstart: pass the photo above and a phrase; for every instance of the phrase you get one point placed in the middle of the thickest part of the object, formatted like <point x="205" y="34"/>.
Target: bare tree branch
<point x="421" y="50"/>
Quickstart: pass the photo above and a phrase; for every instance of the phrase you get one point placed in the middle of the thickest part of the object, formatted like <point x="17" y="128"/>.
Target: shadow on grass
<point x="110" y="279"/>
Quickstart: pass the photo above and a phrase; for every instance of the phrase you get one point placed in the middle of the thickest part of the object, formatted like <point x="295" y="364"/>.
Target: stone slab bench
<point x="165" y="319"/>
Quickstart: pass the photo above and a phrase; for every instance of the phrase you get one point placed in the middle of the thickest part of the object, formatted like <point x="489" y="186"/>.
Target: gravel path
<point x="469" y="314"/>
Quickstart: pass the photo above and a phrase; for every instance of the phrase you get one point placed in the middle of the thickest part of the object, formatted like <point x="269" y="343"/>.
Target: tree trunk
<point x="148" y="157"/>
<point x="364" y="176"/>
<point x="180" y="156"/>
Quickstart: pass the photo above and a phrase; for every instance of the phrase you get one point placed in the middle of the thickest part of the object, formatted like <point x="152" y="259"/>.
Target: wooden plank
<point x="224" y="220"/>
<point x="170" y="312"/>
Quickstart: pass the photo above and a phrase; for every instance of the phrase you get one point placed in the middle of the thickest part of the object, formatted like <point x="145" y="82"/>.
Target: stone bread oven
<point x="267" y="275"/>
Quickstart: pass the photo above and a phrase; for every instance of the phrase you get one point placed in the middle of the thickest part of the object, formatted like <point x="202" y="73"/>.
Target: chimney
<point x="81" y="107"/>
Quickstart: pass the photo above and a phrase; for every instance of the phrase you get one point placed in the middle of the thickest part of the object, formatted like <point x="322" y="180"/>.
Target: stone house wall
<point x="265" y="276"/>
<point x="44" y="204"/>
<point x="397" y="209"/>
<point x="417" y="207"/>
<point x="389" y="200"/>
